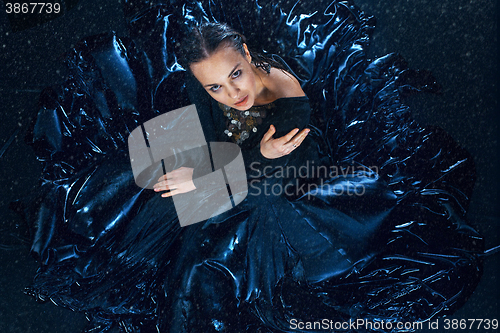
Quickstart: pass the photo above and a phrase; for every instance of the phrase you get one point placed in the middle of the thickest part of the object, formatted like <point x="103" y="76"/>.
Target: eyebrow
<point x="232" y="71"/>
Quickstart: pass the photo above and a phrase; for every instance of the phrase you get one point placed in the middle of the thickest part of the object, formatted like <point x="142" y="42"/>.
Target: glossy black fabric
<point x="401" y="251"/>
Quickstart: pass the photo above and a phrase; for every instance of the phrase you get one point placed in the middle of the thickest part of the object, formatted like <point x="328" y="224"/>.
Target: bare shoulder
<point x="285" y="84"/>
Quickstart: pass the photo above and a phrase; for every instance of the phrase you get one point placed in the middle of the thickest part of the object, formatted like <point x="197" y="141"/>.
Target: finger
<point x="165" y="187"/>
<point x="297" y="140"/>
<point x="166" y="176"/>
<point x="160" y="188"/>
<point x="171" y="175"/>
<point x="289" y="136"/>
<point x="161" y="184"/>
<point x="287" y="151"/>
<point x="169" y="194"/>
<point x="269" y="134"/>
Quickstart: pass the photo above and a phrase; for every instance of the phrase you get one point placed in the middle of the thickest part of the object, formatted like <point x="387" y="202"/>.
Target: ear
<point x="247" y="53"/>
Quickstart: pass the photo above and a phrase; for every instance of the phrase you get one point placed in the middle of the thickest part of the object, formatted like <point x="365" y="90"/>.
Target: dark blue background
<point x="456" y="39"/>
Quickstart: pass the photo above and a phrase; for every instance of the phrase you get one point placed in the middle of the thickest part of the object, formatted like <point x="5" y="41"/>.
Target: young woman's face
<point x="229" y="77"/>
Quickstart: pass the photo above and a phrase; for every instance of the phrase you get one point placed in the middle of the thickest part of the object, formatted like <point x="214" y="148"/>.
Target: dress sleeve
<point x="290" y="113"/>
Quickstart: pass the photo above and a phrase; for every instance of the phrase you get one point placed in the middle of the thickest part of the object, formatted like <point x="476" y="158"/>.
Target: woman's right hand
<point x="176" y="182"/>
<point x="272" y="148"/>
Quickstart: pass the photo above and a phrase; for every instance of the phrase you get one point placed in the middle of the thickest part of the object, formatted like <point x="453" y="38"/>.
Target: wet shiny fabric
<point x="402" y="251"/>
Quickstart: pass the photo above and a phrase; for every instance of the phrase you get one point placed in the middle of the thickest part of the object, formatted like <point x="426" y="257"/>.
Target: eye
<point x="236" y="74"/>
<point x="214" y="88"/>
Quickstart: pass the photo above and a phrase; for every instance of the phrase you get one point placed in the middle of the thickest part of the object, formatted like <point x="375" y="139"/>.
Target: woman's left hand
<point x="178" y="181"/>
<point x="272" y="148"/>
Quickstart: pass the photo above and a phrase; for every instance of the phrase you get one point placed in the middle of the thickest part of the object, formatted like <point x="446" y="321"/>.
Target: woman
<point x="292" y="230"/>
<point x="246" y="85"/>
<point x="372" y="238"/>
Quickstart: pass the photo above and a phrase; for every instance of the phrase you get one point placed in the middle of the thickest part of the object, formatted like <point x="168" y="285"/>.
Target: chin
<point x="243" y="108"/>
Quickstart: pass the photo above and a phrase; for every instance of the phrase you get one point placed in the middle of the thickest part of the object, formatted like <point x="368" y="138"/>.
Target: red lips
<point x="242" y="101"/>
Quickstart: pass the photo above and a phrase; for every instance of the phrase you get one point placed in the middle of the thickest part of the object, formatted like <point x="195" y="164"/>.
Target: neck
<point x="264" y="95"/>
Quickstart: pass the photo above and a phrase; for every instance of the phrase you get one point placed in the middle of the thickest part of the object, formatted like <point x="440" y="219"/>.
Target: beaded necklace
<point x="240" y="124"/>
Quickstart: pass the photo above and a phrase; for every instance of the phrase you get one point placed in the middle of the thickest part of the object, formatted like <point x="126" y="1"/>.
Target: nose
<point x="233" y="91"/>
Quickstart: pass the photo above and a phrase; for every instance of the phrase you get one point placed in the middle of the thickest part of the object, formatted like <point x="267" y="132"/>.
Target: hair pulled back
<point x="203" y="40"/>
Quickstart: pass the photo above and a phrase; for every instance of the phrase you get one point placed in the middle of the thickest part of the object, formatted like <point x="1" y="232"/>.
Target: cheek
<point x="221" y="98"/>
<point x="250" y="82"/>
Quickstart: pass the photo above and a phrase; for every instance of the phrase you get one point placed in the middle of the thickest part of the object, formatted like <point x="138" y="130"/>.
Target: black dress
<point x="364" y="220"/>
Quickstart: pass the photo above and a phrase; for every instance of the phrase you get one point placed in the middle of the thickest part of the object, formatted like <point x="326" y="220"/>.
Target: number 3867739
<point x="32" y="8"/>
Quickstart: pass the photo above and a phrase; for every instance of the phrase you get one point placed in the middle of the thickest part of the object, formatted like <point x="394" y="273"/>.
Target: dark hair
<point x="203" y="40"/>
